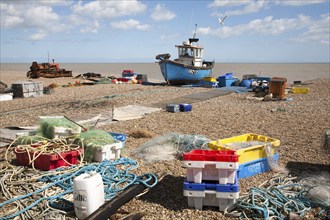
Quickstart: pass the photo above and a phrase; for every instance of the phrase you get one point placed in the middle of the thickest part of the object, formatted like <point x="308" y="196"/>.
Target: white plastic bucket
<point x="88" y="194"/>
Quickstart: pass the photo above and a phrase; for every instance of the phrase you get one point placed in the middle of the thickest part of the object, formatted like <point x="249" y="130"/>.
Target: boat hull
<point x="176" y="73"/>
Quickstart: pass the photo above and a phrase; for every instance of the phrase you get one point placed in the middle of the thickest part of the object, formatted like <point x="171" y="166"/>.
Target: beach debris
<point x="89" y="75"/>
<point x="3" y="87"/>
<point x="47" y="70"/>
<point x="132" y="112"/>
<point x="279" y="109"/>
<point x="141" y="134"/>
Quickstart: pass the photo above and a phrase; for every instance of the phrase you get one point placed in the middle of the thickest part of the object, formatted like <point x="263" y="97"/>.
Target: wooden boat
<point x="189" y="67"/>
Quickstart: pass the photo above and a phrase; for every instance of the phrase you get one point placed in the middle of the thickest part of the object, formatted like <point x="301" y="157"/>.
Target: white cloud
<point x="108" y="9"/>
<point x="225" y="3"/>
<point x="92" y="28"/>
<point x="298" y="2"/>
<point x="27" y="15"/>
<point x="161" y="13"/>
<point x="316" y="31"/>
<point x="41" y="34"/>
<point x="11" y="21"/>
<point x="40" y="16"/>
<point x="251" y="7"/>
<point x="130" y="24"/>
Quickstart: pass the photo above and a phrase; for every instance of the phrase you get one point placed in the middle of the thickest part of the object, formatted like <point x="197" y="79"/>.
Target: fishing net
<point x="47" y="126"/>
<point x="170" y="146"/>
<point x="318" y="188"/>
<point x="91" y="140"/>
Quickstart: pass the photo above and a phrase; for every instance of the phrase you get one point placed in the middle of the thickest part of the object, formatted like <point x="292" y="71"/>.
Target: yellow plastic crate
<point x="250" y="153"/>
<point x="299" y="90"/>
<point x="209" y="79"/>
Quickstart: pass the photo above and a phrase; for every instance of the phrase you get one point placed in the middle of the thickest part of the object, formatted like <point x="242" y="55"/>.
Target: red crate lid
<point x="211" y="155"/>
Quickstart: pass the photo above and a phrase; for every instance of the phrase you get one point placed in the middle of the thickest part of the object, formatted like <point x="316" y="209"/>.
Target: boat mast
<point x="193" y="39"/>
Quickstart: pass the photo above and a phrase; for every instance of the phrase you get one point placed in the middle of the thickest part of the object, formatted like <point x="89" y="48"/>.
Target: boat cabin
<point x="190" y="54"/>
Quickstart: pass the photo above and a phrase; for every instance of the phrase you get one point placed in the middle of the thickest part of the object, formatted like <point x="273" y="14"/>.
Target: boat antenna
<point x="195" y="31"/>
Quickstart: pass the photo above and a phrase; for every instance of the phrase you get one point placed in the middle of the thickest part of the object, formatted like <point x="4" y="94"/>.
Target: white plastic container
<point x="223" y="200"/>
<point x="223" y="172"/>
<point x="109" y="152"/>
<point x="63" y="132"/>
<point x="88" y="194"/>
<point x="6" y="97"/>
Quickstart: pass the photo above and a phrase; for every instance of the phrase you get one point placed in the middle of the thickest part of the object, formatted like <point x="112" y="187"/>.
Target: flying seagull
<point x="221" y="21"/>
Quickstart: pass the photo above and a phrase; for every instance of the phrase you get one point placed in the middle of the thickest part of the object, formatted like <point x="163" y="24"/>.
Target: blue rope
<point x="114" y="180"/>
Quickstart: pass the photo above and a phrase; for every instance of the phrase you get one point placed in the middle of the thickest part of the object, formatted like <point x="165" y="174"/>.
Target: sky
<point x="254" y="31"/>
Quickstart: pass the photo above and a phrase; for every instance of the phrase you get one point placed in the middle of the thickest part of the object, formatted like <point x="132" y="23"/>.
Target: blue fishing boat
<point x="189" y="67"/>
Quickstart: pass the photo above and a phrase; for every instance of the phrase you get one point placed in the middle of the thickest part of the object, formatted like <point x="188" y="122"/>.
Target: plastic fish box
<point x="226" y="76"/>
<point x="6" y="96"/>
<point x="119" y="137"/>
<point x="223" y="82"/>
<point x="63" y="132"/>
<point x="200" y="195"/>
<point x="220" y="166"/>
<point x="47" y="161"/>
<point x="209" y="79"/>
<point x="256" y="167"/>
<point x="249" y="153"/>
<point x="299" y="90"/>
<point x="185" y="107"/>
<point x="173" y="108"/>
<point x="26" y="89"/>
<point x="107" y="152"/>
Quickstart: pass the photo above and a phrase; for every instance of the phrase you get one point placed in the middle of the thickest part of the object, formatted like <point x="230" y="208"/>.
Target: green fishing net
<point x="47" y="125"/>
<point x="91" y="140"/>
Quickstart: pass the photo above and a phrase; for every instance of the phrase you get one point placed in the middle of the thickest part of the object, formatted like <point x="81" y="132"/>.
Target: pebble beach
<point x="299" y="123"/>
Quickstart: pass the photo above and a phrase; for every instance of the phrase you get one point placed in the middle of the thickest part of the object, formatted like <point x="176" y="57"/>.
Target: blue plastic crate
<point x="254" y="167"/>
<point x="119" y="137"/>
<point x="223" y="82"/>
<point x="185" y="107"/>
<point x="227" y="76"/>
<point x="207" y="185"/>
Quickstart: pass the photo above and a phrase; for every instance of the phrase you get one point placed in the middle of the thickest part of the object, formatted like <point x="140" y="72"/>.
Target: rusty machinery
<point x="47" y="70"/>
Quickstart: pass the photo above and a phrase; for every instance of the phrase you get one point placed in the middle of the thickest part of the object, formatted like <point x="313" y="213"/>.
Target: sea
<point x="291" y="71"/>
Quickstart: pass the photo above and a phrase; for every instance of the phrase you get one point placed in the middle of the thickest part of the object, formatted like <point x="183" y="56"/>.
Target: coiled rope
<point x="274" y="199"/>
<point x="116" y="175"/>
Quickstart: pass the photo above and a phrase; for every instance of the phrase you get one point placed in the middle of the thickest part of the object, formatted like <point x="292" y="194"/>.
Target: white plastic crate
<point x="6" y="97"/>
<point x="63" y="132"/>
<point x="108" y="152"/>
<point x="199" y="199"/>
<point x="223" y="172"/>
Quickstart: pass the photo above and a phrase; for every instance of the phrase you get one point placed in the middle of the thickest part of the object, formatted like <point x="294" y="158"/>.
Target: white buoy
<point x="88" y="194"/>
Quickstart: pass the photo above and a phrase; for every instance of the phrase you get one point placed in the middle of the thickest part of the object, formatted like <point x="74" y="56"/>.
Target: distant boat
<point x="189" y="67"/>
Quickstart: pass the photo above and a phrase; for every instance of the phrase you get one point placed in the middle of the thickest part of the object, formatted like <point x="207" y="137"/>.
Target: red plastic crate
<point x="46" y="161"/>
<point x="211" y="155"/>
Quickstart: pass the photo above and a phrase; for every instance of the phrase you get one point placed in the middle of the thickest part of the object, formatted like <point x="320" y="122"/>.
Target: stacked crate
<point x="211" y="178"/>
<point x="252" y="157"/>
